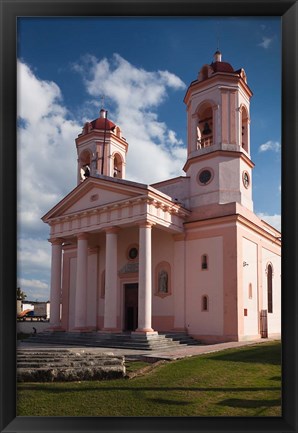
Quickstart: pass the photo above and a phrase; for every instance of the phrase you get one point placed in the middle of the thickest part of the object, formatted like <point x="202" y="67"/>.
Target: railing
<point x="205" y="142"/>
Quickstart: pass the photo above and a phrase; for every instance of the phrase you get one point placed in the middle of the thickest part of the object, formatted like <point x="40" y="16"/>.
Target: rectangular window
<point x="204" y="262"/>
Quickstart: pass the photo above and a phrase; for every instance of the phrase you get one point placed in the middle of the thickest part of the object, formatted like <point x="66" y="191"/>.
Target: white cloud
<point x="46" y="149"/>
<point x="172" y="138"/>
<point x="266" y="42"/>
<point x="34" y="254"/>
<point x="155" y="153"/>
<point x="273" y="220"/>
<point x="46" y="172"/>
<point x="274" y="146"/>
<point x="34" y="289"/>
<point x="34" y="265"/>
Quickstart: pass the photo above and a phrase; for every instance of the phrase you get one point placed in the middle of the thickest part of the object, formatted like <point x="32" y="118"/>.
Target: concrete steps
<point x="160" y="341"/>
<point x="64" y="365"/>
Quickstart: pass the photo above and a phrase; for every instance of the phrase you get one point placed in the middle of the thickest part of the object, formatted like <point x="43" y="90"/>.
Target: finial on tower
<point x="217" y="56"/>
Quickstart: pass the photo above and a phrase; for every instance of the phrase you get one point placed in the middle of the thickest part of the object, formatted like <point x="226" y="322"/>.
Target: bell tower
<point x="101" y="149"/>
<point x="218" y="136"/>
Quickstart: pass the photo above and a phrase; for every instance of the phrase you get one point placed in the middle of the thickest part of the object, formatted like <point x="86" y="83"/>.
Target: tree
<point x="21" y="295"/>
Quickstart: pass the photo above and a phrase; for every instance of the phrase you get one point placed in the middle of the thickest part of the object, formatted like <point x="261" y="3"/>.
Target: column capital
<point x="146" y="224"/>
<point x="56" y="241"/>
<point x="113" y="230"/>
<point x="82" y="236"/>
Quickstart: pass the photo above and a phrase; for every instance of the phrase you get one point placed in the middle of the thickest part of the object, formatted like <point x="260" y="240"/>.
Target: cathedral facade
<point x="186" y="254"/>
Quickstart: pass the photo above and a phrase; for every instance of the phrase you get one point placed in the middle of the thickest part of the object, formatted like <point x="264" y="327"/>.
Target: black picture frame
<point x="10" y="10"/>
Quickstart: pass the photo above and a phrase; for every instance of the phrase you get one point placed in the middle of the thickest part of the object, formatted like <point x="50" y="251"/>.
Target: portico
<point x="98" y="235"/>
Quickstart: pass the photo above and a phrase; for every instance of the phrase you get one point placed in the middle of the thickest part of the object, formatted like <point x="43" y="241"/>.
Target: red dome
<point x="221" y="67"/>
<point x="102" y="123"/>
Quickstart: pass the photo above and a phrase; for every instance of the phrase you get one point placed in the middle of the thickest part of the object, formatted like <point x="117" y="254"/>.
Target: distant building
<point x="185" y="254"/>
<point x="33" y="309"/>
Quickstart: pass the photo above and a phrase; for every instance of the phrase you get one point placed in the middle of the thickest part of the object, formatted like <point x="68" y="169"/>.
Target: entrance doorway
<point x="130" y="306"/>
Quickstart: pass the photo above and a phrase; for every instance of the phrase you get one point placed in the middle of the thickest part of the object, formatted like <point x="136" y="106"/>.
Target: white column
<point x="81" y="282"/>
<point x="111" y="278"/>
<point x="145" y="280"/>
<point x="55" y="283"/>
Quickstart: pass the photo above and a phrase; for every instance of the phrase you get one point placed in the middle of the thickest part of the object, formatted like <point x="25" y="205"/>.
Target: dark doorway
<point x="131" y="307"/>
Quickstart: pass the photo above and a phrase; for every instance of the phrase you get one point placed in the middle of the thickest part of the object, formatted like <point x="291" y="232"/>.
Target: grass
<point x="234" y="382"/>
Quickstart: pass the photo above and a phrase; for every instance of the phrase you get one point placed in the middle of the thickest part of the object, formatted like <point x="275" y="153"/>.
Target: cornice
<point x="218" y="152"/>
<point x="237" y="219"/>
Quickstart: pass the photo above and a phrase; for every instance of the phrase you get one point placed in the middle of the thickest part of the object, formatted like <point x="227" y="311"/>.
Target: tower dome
<point x="101" y="149"/>
<point x="102" y="122"/>
<point x="218" y="65"/>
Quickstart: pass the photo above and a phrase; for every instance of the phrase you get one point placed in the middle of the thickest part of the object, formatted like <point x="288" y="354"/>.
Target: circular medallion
<point x="204" y="176"/>
<point x="133" y="253"/>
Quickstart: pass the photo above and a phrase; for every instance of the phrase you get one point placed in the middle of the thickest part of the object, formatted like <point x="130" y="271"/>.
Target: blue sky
<point x="143" y="66"/>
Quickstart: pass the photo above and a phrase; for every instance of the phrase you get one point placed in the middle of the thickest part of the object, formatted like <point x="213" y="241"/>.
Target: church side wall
<point x="201" y="321"/>
<point x="250" y="297"/>
<point x="254" y="254"/>
<point x="219" y="283"/>
<point x="274" y="318"/>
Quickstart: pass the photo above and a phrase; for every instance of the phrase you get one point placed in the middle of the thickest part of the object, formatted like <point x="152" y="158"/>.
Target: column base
<point x="141" y="332"/>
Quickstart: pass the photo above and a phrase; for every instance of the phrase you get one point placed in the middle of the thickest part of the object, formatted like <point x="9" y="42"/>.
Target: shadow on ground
<point x="268" y="355"/>
<point x="237" y="402"/>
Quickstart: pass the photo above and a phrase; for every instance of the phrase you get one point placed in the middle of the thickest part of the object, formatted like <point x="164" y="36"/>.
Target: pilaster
<point x="55" y="295"/>
<point x="81" y="286"/>
<point x="111" y="280"/>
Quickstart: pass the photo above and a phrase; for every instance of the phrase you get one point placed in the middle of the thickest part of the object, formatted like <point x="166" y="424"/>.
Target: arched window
<point x="117" y="169"/>
<point x="244" y="128"/>
<point x="204" y="261"/>
<point x="84" y="164"/>
<point x="205" y="303"/>
<point x="205" y="126"/>
<point x="269" y="288"/>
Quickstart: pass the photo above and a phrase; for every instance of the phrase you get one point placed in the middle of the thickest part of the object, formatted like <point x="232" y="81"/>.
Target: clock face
<point x="245" y="179"/>
<point x="205" y="176"/>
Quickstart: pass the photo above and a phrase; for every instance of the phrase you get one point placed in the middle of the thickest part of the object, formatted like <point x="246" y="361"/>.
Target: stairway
<point x="161" y="341"/>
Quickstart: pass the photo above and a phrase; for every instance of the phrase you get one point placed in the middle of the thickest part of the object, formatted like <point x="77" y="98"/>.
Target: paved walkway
<point x="152" y="355"/>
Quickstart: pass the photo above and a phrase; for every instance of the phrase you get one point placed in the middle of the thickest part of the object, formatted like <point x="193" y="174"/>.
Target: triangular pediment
<point x="94" y="193"/>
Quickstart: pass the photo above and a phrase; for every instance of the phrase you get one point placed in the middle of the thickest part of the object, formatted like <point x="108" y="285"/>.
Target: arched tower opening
<point x="117" y="166"/>
<point x="205" y="126"/>
<point x="244" y="128"/>
<point x="84" y="164"/>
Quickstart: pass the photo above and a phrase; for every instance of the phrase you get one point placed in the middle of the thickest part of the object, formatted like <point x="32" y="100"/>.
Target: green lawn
<point x="234" y="382"/>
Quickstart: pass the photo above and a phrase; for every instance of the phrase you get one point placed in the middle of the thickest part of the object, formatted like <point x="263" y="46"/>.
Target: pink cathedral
<point x="186" y="254"/>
